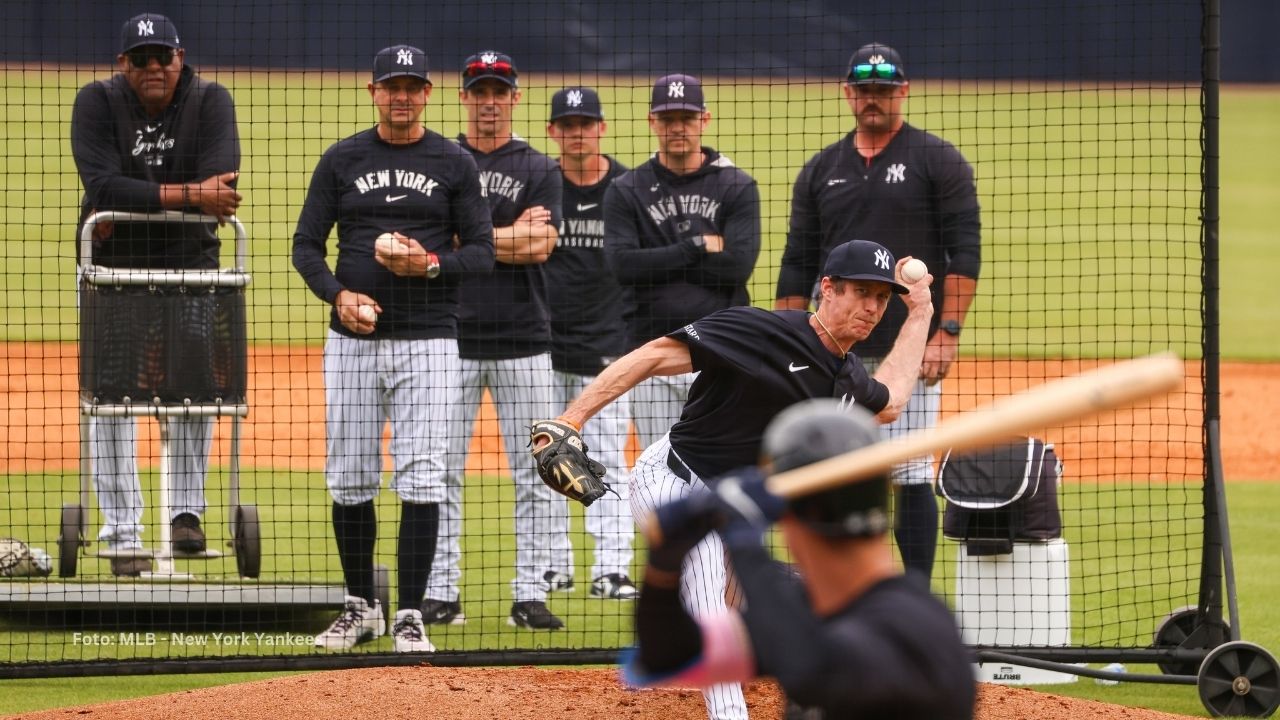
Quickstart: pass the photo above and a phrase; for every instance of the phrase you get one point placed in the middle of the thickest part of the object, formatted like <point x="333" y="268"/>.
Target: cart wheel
<point x="69" y="535"/>
<point x="1172" y="631"/>
<point x="1239" y="679"/>
<point x="247" y="542"/>
<point x="382" y="588"/>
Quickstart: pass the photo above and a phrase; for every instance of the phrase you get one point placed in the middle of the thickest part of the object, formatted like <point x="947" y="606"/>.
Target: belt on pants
<point x="677" y="466"/>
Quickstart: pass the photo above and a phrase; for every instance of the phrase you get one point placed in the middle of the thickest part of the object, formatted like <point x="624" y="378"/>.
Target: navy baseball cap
<point x="400" y="61"/>
<point x="148" y="29"/>
<point x="820" y="429"/>
<point x="489" y="64"/>
<point x="863" y="260"/>
<point x="576" y="101"/>
<point x="677" y="92"/>
<point x="876" y="64"/>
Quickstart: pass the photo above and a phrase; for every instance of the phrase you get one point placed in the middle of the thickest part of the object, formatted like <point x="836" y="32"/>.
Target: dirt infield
<point x="512" y="694"/>
<point x="285" y="428"/>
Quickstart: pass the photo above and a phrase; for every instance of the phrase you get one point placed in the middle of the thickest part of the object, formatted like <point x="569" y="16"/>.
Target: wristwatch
<point x="433" y="266"/>
<point x="700" y="242"/>
<point x="950" y="327"/>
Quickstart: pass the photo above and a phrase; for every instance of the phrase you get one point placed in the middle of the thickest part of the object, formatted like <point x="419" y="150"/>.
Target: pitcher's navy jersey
<point x="504" y="314"/>
<point x="589" y="309"/>
<point x="652" y="217"/>
<point x="756" y="363"/>
<point x="917" y="197"/>
<point x="428" y="190"/>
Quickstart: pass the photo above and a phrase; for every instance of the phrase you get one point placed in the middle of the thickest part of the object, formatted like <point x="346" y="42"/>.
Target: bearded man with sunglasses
<point x="914" y="193"/>
<point x="153" y="137"/>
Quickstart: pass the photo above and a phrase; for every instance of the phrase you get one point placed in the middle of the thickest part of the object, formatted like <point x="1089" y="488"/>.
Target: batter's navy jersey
<point x="755" y="363"/>
<point x="916" y="197"/>
<point x="428" y="190"/>
<point x="652" y="217"/>
<point x="504" y="314"/>
<point x="123" y="155"/>
<point x="589" y="308"/>
<point x="893" y="652"/>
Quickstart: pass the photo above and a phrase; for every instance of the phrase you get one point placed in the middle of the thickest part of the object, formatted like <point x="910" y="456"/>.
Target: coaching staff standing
<point x="913" y="192"/>
<point x="504" y="336"/>
<point x="391" y="353"/>
<point x="683" y="231"/>
<point x="588" y="331"/>
<point x="751" y="365"/>
<point x="852" y="637"/>
<point x="153" y="137"/>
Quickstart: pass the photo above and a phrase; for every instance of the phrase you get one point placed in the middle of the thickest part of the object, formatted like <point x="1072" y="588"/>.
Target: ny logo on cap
<point x="675" y="90"/>
<point x="574" y="98"/>
<point x="882" y="259"/>
<point x="489" y="58"/>
<point x="404" y="57"/>
<point x="145" y="27"/>
<point x="876" y="59"/>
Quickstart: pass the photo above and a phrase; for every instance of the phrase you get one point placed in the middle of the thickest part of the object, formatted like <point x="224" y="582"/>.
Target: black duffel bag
<point x="1000" y="496"/>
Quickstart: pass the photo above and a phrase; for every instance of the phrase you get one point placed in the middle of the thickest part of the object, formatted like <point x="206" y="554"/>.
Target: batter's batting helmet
<point x="818" y="429"/>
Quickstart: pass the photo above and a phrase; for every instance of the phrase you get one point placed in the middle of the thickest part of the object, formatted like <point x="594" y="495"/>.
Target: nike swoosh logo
<point x="393" y="198"/>
<point x="796" y="368"/>
<point x="588" y="206"/>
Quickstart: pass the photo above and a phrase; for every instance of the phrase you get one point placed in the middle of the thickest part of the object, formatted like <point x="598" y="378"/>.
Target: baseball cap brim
<point x="388" y="76"/>
<point x="505" y="80"/>
<point x="677" y="106"/>
<point x="896" y="287"/>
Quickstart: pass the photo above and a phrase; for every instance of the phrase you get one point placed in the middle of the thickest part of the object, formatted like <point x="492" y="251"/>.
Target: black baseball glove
<point x="563" y="464"/>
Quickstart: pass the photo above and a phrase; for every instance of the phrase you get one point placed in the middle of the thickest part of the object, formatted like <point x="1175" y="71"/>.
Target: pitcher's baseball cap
<point x="148" y="29"/>
<point x="576" y="101"/>
<point x="876" y="64"/>
<point x="863" y="260"/>
<point x="489" y="64"/>
<point x="819" y="429"/>
<point x="677" y="92"/>
<point x="400" y="61"/>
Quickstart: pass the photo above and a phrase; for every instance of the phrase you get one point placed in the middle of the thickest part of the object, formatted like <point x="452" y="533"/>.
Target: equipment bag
<point x="1000" y="496"/>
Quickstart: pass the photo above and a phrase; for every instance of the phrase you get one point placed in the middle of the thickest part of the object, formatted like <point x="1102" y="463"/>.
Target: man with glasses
<point x="504" y="337"/>
<point x="915" y="193"/>
<point x="682" y="230"/>
<point x="153" y="137"/>
<point x="411" y="222"/>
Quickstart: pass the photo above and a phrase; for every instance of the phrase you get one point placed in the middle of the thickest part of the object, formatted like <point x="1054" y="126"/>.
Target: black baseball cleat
<point x="614" y="586"/>
<point x="441" y="612"/>
<point x="557" y="581"/>
<point x="187" y="535"/>
<point x="533" y="614"/>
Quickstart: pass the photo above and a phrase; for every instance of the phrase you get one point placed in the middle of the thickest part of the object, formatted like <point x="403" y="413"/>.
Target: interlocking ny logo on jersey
<point x="574" y="98"/>
<point x="404" y="57"/>
<point x="897" y="173"/>
<point x="146" y="28"/>
<point x="675" y="89"/>
<point x="882" y="259"/>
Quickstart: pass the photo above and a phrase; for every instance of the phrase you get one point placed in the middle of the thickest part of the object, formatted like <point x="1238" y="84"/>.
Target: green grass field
<point x="1091" y="239"/>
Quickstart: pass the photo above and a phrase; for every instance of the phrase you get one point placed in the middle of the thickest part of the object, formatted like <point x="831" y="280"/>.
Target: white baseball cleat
<point x="358" y="622"/>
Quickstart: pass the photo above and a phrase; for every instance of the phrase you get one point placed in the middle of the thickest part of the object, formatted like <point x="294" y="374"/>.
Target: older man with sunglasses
<point x="914" y="193"/>
<point x="153" y="137"/>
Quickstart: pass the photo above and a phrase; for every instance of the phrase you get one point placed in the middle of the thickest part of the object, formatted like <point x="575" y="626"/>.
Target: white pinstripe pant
<point x="521" y="391"/>
<point x="607" y="519"/>
<point x="703" y="578"/>
<point x="920" y="413"/>
<point x="410" y="383"/>
<point x="113" y="447"/>
<point x="656" y="404"/>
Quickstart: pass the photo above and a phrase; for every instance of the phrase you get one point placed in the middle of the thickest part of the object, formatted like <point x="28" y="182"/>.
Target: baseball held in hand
<point x="386" y="243"/>
<point x="367" y="314"/>
<point x="913" y="270"/>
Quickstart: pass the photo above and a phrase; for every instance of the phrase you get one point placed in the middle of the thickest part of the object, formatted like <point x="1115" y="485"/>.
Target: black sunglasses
<point x="142" y="58"/>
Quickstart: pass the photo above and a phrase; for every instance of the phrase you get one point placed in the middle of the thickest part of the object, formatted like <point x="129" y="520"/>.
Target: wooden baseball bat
<point x="1053" y="403"/>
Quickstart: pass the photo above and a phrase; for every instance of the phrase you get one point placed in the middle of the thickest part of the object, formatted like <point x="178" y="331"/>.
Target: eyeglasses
<point x="142" y="58"/>
<point x="501" y="68"/>
<point x="868" y="71"/>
